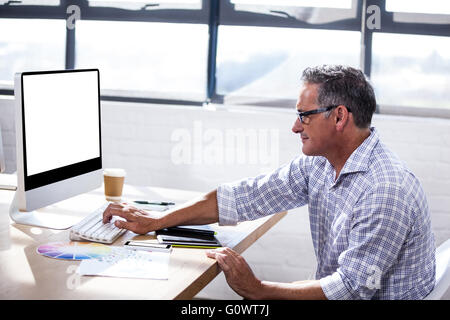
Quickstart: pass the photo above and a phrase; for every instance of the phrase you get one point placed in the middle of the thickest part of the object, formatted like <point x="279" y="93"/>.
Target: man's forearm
<point x="300" y="290"/>
<point x="200" y="211"/>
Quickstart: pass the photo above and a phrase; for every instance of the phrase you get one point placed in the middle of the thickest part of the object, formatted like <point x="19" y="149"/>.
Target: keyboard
<point x="92" y="228"/>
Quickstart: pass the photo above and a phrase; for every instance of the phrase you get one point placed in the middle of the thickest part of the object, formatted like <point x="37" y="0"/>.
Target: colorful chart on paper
<point x="74" y="250"/>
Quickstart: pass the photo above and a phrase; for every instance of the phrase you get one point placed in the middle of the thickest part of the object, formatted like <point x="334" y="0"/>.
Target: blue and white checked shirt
<point x="371" y="227"/>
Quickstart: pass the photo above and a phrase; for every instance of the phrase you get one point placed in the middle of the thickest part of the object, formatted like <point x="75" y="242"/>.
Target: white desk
<point x="24" y="274"/>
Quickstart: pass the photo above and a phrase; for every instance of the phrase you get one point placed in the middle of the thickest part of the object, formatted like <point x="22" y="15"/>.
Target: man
<point x="369" y="217"/>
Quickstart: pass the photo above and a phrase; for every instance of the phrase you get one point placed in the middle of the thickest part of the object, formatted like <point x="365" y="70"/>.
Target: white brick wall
<point x="138" y="138"/>
<point x="7" y="126"/>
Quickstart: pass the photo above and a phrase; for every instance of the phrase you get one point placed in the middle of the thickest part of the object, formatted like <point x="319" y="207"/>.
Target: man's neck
<point x="344" y="149"/>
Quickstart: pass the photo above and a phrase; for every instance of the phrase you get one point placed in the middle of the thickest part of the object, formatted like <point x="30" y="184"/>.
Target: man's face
<point x="317" y="135"/>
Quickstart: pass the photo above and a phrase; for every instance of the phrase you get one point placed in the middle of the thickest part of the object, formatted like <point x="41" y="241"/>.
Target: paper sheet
<point x="126" y="263"/>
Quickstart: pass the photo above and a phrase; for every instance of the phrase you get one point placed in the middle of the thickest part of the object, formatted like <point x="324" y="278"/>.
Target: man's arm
<point x="200" y="211"/>
<point x="299" y="290"/>
<point x="241" y="279"/>
<point x="247" y="199"/>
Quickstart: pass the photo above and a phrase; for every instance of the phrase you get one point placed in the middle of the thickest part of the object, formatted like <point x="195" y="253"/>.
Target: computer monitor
<point x="58" y="140"/>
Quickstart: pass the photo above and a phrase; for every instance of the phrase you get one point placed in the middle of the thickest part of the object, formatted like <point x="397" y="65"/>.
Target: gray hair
<point x="344" y="85"/>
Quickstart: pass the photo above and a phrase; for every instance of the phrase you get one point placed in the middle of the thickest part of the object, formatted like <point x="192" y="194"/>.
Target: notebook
<point x="186" y="239"/>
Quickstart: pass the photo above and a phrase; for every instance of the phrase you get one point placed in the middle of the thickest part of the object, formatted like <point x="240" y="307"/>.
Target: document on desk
<point x="126" y="263"/>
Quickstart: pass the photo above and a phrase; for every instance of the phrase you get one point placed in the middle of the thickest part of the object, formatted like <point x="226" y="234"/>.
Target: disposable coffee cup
<point x="113" y="180"/>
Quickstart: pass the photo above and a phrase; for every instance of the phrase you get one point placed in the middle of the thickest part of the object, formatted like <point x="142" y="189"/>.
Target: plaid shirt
<point x="370" y="228"/>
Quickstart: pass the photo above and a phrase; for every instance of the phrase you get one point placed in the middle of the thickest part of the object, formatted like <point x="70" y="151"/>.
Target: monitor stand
<point x="40" y="219"/>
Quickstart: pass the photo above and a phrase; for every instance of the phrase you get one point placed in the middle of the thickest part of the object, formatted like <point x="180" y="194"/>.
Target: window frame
<point x="222" y="12"/>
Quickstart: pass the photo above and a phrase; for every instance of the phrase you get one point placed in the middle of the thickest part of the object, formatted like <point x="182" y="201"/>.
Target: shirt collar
<point x="359" y="159"/>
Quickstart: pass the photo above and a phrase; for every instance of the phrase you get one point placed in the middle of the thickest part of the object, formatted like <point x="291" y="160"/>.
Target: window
<point x="31" y="2"/>
<point x="147" y="5"/>
<point x="416" y="11"/>
<point x="267" y="62"/>
<point x="419" y="6"/>
<point x="409" y="74"/>
<point x="145" y="58"/>
<point x="145" y="51"/>
<point x="30" y="45"/>
<point x="298" y="3"/>
<point x="263" y="46"/>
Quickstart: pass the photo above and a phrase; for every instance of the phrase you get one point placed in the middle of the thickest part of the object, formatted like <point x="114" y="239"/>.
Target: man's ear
<point x="342" y="117"/>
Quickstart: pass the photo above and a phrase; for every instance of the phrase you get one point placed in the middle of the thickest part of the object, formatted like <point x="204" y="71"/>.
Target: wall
<point x="196" y="148"/>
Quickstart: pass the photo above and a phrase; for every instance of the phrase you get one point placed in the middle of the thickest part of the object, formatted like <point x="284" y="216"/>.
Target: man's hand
<point x="138" y="221"/>
<point x="237" y="272"/>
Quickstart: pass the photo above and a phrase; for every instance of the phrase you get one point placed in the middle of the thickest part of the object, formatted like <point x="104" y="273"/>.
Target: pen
<point x="156" y="203"/>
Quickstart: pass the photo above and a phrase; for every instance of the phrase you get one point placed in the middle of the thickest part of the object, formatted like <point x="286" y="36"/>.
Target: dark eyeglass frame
<point x="319" y="110"/>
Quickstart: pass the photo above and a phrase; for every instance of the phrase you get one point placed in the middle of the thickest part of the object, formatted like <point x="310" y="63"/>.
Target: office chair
<point x="442" y="272"/>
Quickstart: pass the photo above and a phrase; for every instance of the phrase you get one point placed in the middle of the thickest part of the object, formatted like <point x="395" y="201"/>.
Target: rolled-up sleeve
<point x="334" y="288"/>
<point x="227" y="205"/>
<point x="253" y="198"/>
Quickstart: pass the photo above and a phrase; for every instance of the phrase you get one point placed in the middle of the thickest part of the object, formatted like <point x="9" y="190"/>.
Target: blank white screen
<point x="61" y="119"/>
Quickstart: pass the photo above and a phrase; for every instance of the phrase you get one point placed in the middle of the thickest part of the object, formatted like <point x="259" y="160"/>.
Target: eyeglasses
<point x="303" y="116"/>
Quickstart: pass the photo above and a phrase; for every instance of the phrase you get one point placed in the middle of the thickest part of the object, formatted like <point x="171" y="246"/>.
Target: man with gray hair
<point x="369" y="218"/>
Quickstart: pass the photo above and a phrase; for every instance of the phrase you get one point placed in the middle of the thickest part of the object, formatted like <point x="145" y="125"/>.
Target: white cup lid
<point x="114" y="172"/>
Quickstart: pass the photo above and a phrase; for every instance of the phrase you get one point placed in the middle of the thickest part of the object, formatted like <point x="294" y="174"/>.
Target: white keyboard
<point x="92" y="228"/>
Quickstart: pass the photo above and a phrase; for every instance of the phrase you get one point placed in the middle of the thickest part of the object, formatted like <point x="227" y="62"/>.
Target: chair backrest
<point x="442" y="272"/>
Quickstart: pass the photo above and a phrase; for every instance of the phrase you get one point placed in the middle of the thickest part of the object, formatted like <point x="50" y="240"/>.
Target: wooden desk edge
<point x="214" y="269"/>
